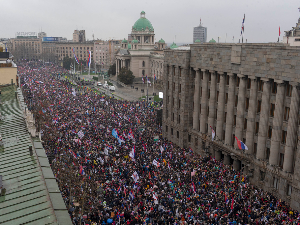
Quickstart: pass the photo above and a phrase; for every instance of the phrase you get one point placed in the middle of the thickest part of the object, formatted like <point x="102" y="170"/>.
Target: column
<point x="212" y="102"/>
<point x="218" y="155"/>
<point x="251" y="116"/>
<point x="203" y="118"/>
<point x="236" y="164"/>
<point x="263" y="120"/>
<point x="230" y="108"/>
<point x="291" y="131"/>
<point x="226" y="159"/>
<point x="221" y="105"/>
<point x="196" y="101"/>
<point x="277" y="124"/>
<point x="240" y="109"/>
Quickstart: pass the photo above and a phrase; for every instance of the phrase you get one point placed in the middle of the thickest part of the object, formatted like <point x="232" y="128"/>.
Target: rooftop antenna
<point x="93" y="35"/>
<point x="200" y="21"/>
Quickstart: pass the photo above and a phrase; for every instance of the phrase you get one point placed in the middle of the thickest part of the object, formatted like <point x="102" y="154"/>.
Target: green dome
<point x="197" y="41"/>
<point x="135" y="41"/>
<point x="129" y="46"/>
<point x="212" y="41"/>
<point x="161" y="41"/>
<point x="173" y="46"/>
<point x="142" y="23"/>
<point x="124" y="41"/>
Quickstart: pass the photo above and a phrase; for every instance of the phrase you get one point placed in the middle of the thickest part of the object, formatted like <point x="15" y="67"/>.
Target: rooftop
<point x="32" y="195"/>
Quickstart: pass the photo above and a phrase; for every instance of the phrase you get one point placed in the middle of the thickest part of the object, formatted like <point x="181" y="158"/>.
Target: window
<point x="260" y="85"/>
<point x="256" y="127"/>
<point x="258" y="106"/>
<point x="173" y="86"/>
<point x="216" y="113"/>
<point x="248" y="83"/>
<point x="283" y="137"/>
<point x="223" y="137"/>
<point x="286" y="113"/>
<point x="234" y="120"/>
<point x="179" y="103"/>
<point x="274" y="87"/>
<point x="245" y="124"/>
<point x="189" y="138"/>
<point x="270" y="132"/>
<point x="200" y="91"/>
<point x="209" y="77"/>
<point x="225" y="116"/>
<point x="171" y="131"/>
<point x="247" y="104"/>
<point x="217" y="96"/>
<point x="218" y="78"/>
<point x="143" y="72"/>
<point x="238" y="81"/>
<point x="178" y="119"/>
<point x="143" y="63"/>
<point x="236" y="100"/>
<point x="227" y="80"/>
<point x="173" y="102"/>
<point x="289" y="89"/>
<point x="177" y="134"/>
<point x="267" y="153"/>
<point x="272" y="110"/>
<point x="180" y="71"/>
<point x="201" y="75"/>
<point x="167" y="129"/>
<point x="232" y="140"/>
<point x="173" y="117"/>
<point x="173" y="70"/>
<point x="179" y="88"/>
<point x="168" y="85"/>
<point x="208" y="93"/>
<point x="281" y="159"/>
<point x="226" y="98"/>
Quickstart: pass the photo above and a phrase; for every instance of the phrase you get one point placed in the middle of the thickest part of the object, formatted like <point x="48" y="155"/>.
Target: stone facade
<point x="244" y="91"/>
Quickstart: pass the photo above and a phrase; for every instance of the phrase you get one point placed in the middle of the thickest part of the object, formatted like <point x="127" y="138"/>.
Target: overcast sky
<point x="115" y="18"/>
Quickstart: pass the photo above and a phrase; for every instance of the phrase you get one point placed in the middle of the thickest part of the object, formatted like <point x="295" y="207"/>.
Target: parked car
<point x="99" y="84"/>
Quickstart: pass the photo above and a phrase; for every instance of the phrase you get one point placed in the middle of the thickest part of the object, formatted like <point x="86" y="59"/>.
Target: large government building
<point x="142" y="55"/>
<point x="244" y="91"/>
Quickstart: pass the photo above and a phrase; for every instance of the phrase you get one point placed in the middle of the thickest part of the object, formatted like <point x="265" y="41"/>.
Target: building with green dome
<point x="140" y="53"/>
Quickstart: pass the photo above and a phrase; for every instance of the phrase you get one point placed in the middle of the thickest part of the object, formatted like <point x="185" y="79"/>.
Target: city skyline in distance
<point x="170" y="19"/>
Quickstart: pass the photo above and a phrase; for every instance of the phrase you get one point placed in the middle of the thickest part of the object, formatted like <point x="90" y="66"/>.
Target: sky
<point x="172" y="20"/>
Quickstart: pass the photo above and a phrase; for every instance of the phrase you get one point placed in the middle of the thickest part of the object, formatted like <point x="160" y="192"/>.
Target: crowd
<point x="112" y="169"/>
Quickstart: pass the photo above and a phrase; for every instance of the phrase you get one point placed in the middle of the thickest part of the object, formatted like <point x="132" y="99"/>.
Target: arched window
<point x="143" y="64"/>
<point x="143" y="72"/>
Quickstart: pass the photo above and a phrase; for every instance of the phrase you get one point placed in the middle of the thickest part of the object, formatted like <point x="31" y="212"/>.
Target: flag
<point x="132" y="153"/>
<point x="135" y="176"/>
<point x="232" y="201"/>
<point x="119" y="190"/>
<point x="240" y="144"/>
<point x="114" y="133"/>
<point x="143" y="80"/>
<point x="213" y="134"/>
<point x="80" y="134"/>
<point x="161" y="149"/>
<point x="155" y="77"/>
<point x="155" y="163"/>
<point x="81" y="171"/>
<point x="193" y="173"/>
<point x="89" y="59"/>
<point x="131" y="195"/>
<point x="193" y="187"/>
<point x="279" y="31"/>
<point x="76" y="59"/>
<point x="243" y="26"/>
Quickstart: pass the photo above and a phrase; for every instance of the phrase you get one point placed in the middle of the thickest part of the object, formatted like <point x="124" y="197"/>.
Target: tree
<point x="112" y="69"/>
<point x="126" y="76"/>
<point x="67" y="62"/>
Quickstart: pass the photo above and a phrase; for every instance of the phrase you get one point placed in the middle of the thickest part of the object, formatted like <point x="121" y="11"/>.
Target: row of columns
<point x="120" y="63"/>
<point x="252" y="111"/>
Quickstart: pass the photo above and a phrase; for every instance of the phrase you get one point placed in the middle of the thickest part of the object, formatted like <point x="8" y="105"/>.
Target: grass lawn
<point x="156" y="98"/>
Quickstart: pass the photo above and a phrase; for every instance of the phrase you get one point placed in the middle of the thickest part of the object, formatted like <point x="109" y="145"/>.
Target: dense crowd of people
<point x="113" y="166"/>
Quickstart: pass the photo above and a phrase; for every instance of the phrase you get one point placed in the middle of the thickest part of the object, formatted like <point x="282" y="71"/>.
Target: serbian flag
<point x="143" y="80"/>
<point x="240" y="144"/>
<point x="75" y="56"/>
<point x="243" y="26"/>
<point x="155" y="77"/>
<point x="213" y="134"/>
<point x="89" y="59"/>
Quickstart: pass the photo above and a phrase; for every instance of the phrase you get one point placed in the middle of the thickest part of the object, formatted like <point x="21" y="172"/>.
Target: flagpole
<point x="153" y="82"/>
<point x="147" y="89"/>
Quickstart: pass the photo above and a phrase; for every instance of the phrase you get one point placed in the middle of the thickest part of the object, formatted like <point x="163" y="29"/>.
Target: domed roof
<point x="173" y="46"/>
<point x="135" y="42"/>
<point x="197" y="41"/>
<point x="124" y="41"/>
<point x="161" y="41"/>
<point x="142" y="23"/>
<point x="129" y="46"/>
<point x="212" y="41"/>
